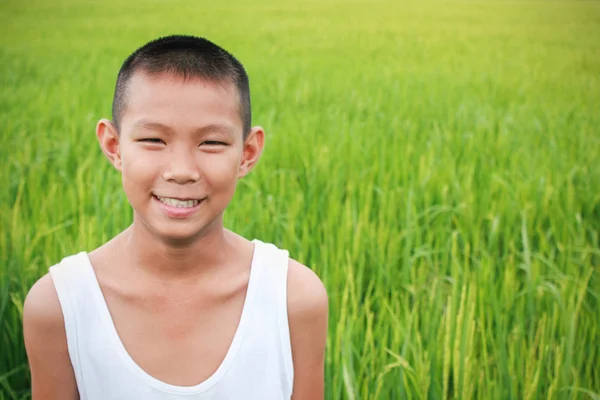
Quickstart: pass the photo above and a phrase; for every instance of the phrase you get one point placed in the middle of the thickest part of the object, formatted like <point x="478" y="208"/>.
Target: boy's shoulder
<point x="52" y="375"/>
<point x="43" y="324"/>
<point x="308" y="311"/>
<point x="307" y="297"/>
<point x="41" y="308"/>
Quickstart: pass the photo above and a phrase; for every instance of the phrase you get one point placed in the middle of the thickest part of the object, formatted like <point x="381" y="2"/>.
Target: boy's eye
<point x="214" y="143"/>
<point x="152" y="140"/>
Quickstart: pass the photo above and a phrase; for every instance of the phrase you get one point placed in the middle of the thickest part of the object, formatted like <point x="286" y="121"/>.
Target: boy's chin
<point x="181" y="235"/>
<point x="177" y="232"/>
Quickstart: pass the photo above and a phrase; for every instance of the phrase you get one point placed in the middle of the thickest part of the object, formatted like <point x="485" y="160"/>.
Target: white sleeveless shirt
<point x="258" y="364"/>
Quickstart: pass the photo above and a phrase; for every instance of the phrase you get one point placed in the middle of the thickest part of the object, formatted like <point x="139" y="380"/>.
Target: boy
<point x="176" y="306"/>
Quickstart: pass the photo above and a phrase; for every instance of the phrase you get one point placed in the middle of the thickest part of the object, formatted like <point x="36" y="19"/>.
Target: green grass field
<point x="437" y="164"/>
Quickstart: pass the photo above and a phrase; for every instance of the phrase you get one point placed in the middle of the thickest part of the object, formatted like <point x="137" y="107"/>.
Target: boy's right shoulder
<point x="52" y="375"/>
<point x="41" y="309"/>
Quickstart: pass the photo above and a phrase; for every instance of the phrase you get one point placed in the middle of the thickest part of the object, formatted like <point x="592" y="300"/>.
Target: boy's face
<point x="180" y="151"/>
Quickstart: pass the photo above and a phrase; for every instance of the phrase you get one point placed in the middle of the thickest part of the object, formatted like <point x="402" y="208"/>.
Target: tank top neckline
<point x="124" y="355"/>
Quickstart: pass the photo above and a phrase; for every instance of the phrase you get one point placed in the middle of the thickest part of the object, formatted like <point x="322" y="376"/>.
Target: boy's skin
<point x="175" y="287"/>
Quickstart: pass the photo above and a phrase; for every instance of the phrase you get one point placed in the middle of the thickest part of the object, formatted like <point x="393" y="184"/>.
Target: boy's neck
<point x="171" y="260"/>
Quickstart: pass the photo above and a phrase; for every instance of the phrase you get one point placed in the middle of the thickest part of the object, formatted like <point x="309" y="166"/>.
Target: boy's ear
<point x="253" y="147"/>
<point x="107" y="135"/>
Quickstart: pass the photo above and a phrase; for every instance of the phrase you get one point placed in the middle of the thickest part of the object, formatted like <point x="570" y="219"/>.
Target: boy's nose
<point x="181" y="169"/>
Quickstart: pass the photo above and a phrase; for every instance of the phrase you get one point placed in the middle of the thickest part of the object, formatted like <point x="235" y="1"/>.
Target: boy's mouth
<point x="179" y="203"/>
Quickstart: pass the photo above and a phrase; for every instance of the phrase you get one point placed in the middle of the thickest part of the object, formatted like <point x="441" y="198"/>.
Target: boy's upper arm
<point x="308" y="317"/>
<point x="52" y="375"/>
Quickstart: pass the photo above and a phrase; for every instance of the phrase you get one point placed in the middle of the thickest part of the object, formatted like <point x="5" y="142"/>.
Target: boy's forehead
<point x="156" y="94"/>
<point x="143" y="80"/>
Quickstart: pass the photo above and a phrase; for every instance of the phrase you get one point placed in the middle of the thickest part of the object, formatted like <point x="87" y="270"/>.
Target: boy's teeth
<point x="178" y="203"/>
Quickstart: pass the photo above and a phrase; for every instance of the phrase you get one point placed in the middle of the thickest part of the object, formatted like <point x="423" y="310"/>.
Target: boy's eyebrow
<point x="154" y="126"/>
<point x="223" y="128"/>
<point x="157" y="126"/>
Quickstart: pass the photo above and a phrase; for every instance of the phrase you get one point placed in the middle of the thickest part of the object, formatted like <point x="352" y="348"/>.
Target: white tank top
<point x="258" y="364"/>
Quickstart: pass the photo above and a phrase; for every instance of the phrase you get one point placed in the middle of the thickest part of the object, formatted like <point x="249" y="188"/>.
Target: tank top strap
<point x="72" y="279"/>
<point x="273" y="291"/>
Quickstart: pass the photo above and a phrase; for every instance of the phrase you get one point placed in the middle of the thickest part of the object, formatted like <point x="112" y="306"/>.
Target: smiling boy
<point x="176" y="306"/>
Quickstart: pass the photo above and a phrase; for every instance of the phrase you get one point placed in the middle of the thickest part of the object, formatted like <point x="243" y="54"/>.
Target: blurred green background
<point x="435" y="162"/>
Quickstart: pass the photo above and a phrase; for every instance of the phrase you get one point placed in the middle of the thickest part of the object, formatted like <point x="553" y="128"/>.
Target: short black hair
<point x="187" y="57"/>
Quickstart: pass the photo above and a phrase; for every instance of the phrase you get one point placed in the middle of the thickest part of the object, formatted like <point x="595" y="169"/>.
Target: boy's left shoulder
<point x="307" y="296"/>
<point x="308" y="311"/>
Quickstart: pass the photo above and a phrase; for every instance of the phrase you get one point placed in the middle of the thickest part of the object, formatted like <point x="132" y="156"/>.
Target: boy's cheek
<point x="136" y="162"/>
<point x="137" y="175"/>
<point x="221" y="173"/>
